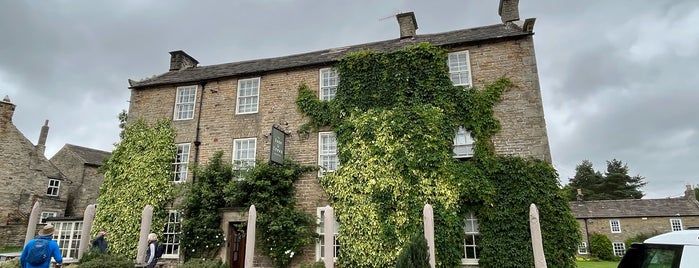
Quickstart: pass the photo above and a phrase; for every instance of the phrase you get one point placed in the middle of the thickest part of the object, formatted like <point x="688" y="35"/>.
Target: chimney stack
<point x="41" y="145"/>
<point x="580" y="195"/>
<point x="689" y="193"/>
<point x="7" y="110"/>
<point x="407" y="24"/>
<point x="509" y="10"/>
<point x="179" y="60"/>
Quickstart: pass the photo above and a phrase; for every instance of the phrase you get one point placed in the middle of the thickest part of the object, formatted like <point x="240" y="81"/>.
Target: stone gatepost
<point x="146" y="222"/>
<point x="88" y="220"/>
<point x="33" y="220"/>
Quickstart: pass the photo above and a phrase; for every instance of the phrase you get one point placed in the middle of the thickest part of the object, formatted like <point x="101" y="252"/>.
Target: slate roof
<point x="630" y="208"/>
<point x="445" y="39"/>
<point x="88" y="155"/>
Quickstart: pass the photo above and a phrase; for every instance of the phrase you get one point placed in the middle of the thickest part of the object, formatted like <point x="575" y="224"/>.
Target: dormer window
<point x="463" y="143"/>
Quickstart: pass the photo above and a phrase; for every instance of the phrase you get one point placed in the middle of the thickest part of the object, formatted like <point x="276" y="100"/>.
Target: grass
<point x="597" y="264"/>
<point x="10" y="249"/>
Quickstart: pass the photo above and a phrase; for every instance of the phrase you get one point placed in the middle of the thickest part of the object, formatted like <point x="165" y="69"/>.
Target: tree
<point x="137" y="174"/>
<point x="614" y="184"/>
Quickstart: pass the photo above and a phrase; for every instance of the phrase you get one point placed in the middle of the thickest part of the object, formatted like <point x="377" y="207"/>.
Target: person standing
<point x="39" y="251"/>
<point x="100" y="242"/>
<point x="152" y="251"/>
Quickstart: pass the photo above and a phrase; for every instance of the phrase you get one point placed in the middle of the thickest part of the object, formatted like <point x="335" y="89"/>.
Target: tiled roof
<point x="444" y="39"/>
<point x="89" y="155"/>
<point x="669" y="207"/>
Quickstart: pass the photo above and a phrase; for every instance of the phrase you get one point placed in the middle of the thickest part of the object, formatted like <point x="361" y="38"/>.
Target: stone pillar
<point x="537" y="243"/>
<point x="88" y="220"/>
<point x="329" y="230"/>
<point x="33" y="220"/>
<point x="146" y="222"/>
<point x="428" y="217"/>
<point x="250" y="237"/>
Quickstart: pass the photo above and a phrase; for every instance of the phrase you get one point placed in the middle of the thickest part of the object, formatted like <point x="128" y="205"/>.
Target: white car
<point x="678" y="249"/>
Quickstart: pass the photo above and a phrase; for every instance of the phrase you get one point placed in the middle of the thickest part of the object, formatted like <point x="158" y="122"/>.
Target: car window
<point x="652" y="256"/>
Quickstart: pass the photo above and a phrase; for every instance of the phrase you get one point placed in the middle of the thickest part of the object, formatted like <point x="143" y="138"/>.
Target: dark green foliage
<point x="108" y="261"/>
<point x="313" y="265"/>
<point x="519" y="183"/>
<point x="201" y="263"/>
<point x="282" y="230"/>
<point x="601" y="247"/>
<point x="395" y="115"/>
<point x="90" y="255"/>
<point x="415" y="254"/>
<point x="639" y="238"/>
<point x="138" y="173"/>
<point x="612" y="185"/>
<point x="202" y="235"/>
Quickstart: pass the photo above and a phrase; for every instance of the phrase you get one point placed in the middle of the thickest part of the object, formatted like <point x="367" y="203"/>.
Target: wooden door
<point x="236" y="246"/>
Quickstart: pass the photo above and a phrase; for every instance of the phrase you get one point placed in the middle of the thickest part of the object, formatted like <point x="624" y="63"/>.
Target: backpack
<point x="159" y="249"/>
<point x="39" y="252"/>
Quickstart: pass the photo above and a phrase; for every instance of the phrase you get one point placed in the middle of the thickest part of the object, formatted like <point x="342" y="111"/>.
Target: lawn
<point x="596" y="264"/>
<point x="10" y="249"/>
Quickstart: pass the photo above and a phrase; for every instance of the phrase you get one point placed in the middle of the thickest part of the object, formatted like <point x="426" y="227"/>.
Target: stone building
<point x="232" y="107"/>
<point x="620" y="220"/>
<point x="63" y="185"/>
<point x="26" y="177"/>
<point x="81" y="165"/>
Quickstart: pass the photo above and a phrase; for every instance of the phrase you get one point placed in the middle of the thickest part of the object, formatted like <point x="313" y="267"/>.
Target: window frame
<point x="321" y="235"/>
<point x="250" y="161"/>
<point x="172" y="235"/>
<point x="458" y="68"/>
<point x="181" y="168"/>
<point x="46" y="214"/>
<point x="463" y="132"/>
<point x="255" y="103"/>
<point x="67" y="235"/>
<point x="582" y="248"/>
<point x="188" y="114"/>
<point x="474" y="232"/>
<point x="615" y="226"/>
<point x="331" y="76"/>
<point x="327" y="155"/>
<point x="674" y="223"/>
<point x="51" y="188"/>
<point x="619" y="249"/>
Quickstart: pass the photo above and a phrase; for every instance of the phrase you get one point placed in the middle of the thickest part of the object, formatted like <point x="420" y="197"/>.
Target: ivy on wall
<point x="282" y="230"/>
<point x="138" y="173"/>
<point x="395" y="115"/>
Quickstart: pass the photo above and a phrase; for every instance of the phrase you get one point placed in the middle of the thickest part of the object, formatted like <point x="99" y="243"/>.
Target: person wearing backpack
<point x="154" y="250"/>
<point x="38" y="252"/>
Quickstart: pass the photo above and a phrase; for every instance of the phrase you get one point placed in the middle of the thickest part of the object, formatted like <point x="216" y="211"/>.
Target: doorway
<point x="236" y="244"/>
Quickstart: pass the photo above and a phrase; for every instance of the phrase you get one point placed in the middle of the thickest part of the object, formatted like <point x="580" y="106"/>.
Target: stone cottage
<point x="620" y="220"/>
<point x="232" y="107"/>
<point x="63" y="185"/>
<point x="27" y="177"/>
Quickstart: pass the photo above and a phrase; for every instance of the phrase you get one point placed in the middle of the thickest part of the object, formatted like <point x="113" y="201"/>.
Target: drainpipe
<point x="197" y="142"/>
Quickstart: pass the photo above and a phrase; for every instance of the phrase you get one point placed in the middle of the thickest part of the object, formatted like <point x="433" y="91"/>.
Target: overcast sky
<point x="619" y="79"/>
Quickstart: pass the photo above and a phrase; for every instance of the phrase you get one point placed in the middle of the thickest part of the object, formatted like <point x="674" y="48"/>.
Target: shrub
<point x="13" y="263"/>
<point x="318" y="264"/>
<point x="639" y="238"/>
<point x="414" y="254"/>
<point x="107" y="261"/>
<point x="601" y="247"/>
<point x="201" y="263"/>
<point x="90" y="255"/>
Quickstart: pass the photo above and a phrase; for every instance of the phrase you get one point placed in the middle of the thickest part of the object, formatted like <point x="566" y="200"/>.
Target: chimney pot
<point x="7" y="110"/>
<point x="407" y="24"/>
<point x="509" y="10"/>
<point x="179" y="60"/>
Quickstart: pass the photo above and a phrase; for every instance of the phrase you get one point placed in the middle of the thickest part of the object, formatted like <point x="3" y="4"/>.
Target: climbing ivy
<point x="394" y="115"/>
<point x="137" y="174"/>
<point x="202" y="236"/>
<point x="282" y="230"/>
